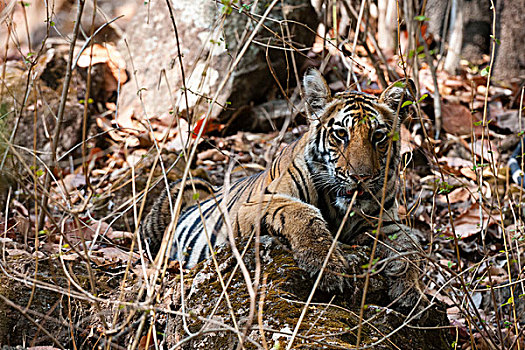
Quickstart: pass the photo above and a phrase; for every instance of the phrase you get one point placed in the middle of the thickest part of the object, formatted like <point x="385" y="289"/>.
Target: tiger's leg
<point x="401" y="249"/>
<point x="160" y="215"/>
<point x="301" y="227"/>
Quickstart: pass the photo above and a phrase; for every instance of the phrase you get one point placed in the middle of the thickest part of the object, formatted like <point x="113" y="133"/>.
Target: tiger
<point x="302" y="198"/>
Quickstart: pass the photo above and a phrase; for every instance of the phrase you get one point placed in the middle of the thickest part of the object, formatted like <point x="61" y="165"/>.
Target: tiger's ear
<point x="397" y="94"/>
<point x="317" y="92"/>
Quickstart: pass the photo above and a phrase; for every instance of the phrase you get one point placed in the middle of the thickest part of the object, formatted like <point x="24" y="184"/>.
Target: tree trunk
<point x="456" y="37"/>
<point x="468" y="36"/>
<point x="386" y="31"/>
<point x="510" y="55"/>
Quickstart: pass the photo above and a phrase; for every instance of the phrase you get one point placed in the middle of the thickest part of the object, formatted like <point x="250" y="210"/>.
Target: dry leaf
<point x="407" y="144"/>
<point x="469" y="173"/>
<point x="458" y="120"/>
<point x="461" y="194"/>
<point x="468" y="223"/>
<point x="488" y="152"/>
<point x="107" y="54"/>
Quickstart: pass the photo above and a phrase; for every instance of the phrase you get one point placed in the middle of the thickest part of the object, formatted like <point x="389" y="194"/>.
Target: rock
<point x="210" y="37"/>
<point x="331" y="321"/>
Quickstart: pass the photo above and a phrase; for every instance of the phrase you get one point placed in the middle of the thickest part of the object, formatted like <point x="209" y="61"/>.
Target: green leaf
<point x="196" y="196"/>
<point x="485" y="71"/>
<point x="423" y="97"/>
<point x="421" y="18"/>
<point x="509" y="301"/>
<point x="495" y="39"/>
<point x="395" y="136"/>
<point x="399" y="84"/>
<point x="393" y="237"/>
<point x="247" y="7"/>
<point x="406" y="103"/>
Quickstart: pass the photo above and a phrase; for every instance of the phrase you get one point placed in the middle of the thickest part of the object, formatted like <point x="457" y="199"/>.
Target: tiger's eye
<point x="379" y="136"/>
<point x="341" y="133"/>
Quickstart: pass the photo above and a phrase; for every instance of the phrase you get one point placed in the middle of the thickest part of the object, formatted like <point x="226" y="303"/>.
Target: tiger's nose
<point x="361" y="177"/>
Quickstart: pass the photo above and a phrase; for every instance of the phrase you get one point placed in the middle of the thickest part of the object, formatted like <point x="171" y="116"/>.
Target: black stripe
<point x="216" y="229"/>
<point x="311" y="222"/>
<point x="185" y="213"/>
<point x="220" y="221"/>
<point x="189" y="230"/>
<point x="283" y="220"/>
<point x="267" y="191"/>
<point x="369" y="109"/>
<point x="302" y="181"/>
<point x="202" y="255"/>
<point x="191" y="244"/>
<point x="272" y="170"/>
<point x="294" y="144"/>
<point x="279" y="164"/>
<point x="250" y="193"/>
<point x="297" y="185"/>
<point x="198" y="186"/>
<point x="318" y="138"/>
<point x="276" y="211"/>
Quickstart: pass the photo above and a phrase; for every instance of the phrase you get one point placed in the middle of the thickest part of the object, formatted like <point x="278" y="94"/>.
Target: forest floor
<point x="455" y="188"/>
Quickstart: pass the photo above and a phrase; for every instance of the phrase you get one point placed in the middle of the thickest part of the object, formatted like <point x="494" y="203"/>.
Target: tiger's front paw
<point x="336" y="270"/>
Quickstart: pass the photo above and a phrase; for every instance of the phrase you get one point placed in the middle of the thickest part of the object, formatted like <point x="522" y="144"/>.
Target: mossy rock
<point x="53" y="304"/>
<point x="331" y="320"/>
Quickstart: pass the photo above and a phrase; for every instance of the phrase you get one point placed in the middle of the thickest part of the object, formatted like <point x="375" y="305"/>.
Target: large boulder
<point x="210" y="38"/>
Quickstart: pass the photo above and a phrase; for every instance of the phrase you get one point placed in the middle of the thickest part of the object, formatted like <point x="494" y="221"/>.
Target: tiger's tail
<point x="153" y="227"/>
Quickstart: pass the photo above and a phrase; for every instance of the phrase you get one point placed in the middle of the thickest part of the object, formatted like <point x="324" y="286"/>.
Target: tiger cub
<point x="302" y="198"/>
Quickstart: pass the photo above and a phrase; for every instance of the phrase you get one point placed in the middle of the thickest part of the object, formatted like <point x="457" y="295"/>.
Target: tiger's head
<point x="349" y="137"/>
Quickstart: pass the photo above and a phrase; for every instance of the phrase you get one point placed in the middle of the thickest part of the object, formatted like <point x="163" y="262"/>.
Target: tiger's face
<point x="350" y="135"/>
